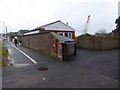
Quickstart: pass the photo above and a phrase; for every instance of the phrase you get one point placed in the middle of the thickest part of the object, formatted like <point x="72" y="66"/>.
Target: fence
<point x="95" y="42"/>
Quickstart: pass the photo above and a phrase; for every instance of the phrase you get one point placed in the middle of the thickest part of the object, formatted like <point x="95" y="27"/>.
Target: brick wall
<point x="24" y="40"/>
<point x="42" y="42"/>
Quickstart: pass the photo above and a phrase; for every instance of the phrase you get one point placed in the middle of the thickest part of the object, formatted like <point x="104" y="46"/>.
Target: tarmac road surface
<point x="87" y="70"/>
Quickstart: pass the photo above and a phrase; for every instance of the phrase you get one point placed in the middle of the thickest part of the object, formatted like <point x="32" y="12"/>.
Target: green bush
<point x="51" y="55"/>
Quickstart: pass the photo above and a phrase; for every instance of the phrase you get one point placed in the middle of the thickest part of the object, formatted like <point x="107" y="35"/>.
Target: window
<point x="66" y="35"/>
<point x="61" y="33"/>
<point x="69" y="35"/>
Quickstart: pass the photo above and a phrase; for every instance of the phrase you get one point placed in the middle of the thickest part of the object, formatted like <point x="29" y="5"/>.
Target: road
<point x="90" y="69"/>
<point x="102" y="62"/>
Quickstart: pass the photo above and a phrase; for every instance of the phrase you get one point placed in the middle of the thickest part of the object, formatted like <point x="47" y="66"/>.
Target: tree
<point x="118" y="23"/>
<point x="102" y="31"/>
<point x="117" y="30"/>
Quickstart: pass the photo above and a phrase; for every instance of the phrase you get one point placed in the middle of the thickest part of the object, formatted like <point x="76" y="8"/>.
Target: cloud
<point x="103" y="15"/>
<point x="28" y="14"/>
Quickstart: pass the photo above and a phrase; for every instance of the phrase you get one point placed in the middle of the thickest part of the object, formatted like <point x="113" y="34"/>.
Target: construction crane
<point x="86" y="27"/>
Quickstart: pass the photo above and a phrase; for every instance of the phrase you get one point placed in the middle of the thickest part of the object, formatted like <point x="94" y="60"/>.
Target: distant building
<point x="102" y="34"/>
<point x="21" y="32"/>
<point x="58" y="27"/>
<point x="118" y="8"/>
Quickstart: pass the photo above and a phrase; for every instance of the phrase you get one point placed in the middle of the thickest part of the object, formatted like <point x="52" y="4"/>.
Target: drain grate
<point x="42" y="68"/>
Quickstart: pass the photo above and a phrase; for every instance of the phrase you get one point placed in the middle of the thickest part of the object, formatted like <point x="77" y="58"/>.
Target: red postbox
<point x="54" y="46"/>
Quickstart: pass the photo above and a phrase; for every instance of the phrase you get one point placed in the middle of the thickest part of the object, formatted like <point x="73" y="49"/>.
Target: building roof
<point x="56" y="26"/>
<point x="61" y="39"/>
<point x="22" y="31"/>
<point x="32" y="32"/>
<point x="35" y="31"/>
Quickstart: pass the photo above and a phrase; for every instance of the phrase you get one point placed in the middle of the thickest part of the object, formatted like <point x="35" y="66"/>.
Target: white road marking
<point x="24" y="53"/>
<point x="21" y="65"/>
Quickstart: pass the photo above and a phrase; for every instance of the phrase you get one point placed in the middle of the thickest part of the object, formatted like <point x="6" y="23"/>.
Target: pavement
<point x="90" y="69"/>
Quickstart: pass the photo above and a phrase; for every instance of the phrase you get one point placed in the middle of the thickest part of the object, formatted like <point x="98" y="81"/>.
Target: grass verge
<point x="50" y="55"/>
<point x="3" y="56"/>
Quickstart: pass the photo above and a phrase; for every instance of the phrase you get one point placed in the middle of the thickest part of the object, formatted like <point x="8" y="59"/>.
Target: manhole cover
<point x="42" y="68"/>
<point x="21" y="78"/>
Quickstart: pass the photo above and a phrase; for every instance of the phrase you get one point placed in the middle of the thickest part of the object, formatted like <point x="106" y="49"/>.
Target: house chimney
<point x="67" y="23"/>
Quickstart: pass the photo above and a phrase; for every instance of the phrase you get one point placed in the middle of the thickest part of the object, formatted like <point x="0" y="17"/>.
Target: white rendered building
<point x="118" y="8"/>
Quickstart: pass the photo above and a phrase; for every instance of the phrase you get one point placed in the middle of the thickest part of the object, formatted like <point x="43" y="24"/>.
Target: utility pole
<point x="6" y="32"/>
<point x="3" y="26"/>
<point x="6" y="29"/>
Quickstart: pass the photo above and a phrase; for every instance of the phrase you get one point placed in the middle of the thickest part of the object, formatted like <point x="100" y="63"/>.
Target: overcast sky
<point x="29" y="14"/>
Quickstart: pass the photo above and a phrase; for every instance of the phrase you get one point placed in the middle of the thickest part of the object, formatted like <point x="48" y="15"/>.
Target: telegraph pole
<point x="6" y="32"/>
<point x="3" y="26"/>
<point x="6" y="29"/>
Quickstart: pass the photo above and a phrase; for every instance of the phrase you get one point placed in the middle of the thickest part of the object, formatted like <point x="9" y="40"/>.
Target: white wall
<point x="118" y="8"/>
